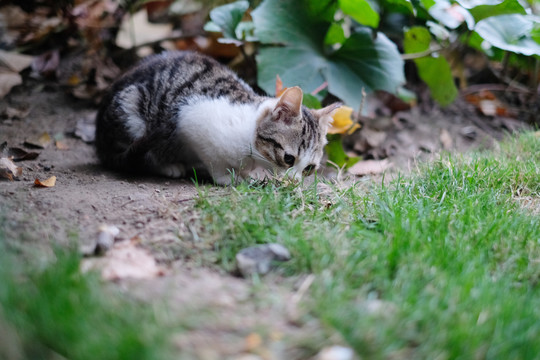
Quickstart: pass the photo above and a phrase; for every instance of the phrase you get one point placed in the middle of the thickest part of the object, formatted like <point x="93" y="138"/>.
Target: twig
<point x="422" y="53"/>
<point x="361" y="107"/>
<point x="493" y="87"/>
<point x="323" y="86"/>
<point x="295" y="300"/>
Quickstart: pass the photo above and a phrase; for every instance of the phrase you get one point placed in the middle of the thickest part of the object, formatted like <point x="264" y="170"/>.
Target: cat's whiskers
<point x="254" y="154"/>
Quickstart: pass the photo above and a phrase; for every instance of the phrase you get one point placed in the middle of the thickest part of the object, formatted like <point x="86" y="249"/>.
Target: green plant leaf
<point x="322" y="10"/>
<point x="311" y="101"/>
<point x="399" y="6"/>
<point x="335" y="34"/>
<point x="509" y="32"/>
<point x="483" y="11"/>
<point x="434" y="71"/>
<point x="244" y="31"/>
<point x="227" y="17"/>
<point x="361" y="11"/>
<point x="362" y="62"/>
<point x="336" y="154"/>
<point x="211" y="26"/>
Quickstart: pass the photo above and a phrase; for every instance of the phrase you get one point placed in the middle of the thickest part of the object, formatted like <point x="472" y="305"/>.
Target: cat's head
<point x="291" y="136"/>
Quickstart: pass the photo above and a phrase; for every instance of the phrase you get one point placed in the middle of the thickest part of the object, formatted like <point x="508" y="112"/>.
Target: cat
<point x="180" y="111"/>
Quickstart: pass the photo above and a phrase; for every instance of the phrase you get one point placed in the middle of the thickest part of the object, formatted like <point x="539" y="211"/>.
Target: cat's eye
<point x="289" y="159"/>
<point x="308" y="170"/>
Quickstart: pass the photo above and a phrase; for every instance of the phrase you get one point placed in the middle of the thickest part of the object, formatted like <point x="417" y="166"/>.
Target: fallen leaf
<point x="20" y="113"/>
<point x="43" y="141"/>
<point x="47" y="63"/>
<point x="8" y="80"/>
<point x="8" y="169"/>
<point x="125" y="260"/>
<point x="14" y="61"/>
<point x="343" y="122"/>
<point x="16" y="154"/>
<point x="50" y="182"/>
<point x="61" y="145"/>
<point x="137" y="30"/>
<point x="86" y="129"/>
<point x="488" y="104"/>
<point x="370" y="167"/>
<point x="253" y="341"/>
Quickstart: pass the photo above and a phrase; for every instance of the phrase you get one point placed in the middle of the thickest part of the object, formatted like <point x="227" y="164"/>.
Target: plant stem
<point x="421" y="54"/>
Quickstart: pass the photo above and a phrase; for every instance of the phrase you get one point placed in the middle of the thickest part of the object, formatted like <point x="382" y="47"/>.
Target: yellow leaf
<point x="74" y="80"/>
<point x="343" y="122"/>
<point x="253" y="341"/>
<point x="50" y="182"/>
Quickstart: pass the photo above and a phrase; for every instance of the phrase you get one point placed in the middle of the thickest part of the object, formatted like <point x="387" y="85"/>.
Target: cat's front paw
<point x="172" y="170"/>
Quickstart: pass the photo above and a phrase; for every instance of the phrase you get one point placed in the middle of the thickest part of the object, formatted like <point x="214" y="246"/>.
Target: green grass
<point x="450" y="255"/>
<point x="56" y="310"/>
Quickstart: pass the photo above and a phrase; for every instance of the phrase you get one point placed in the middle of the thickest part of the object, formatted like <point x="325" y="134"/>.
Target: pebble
<point x="336" y="353"/>
<point x="258" y="259"/>
<point x="106" y="236"/>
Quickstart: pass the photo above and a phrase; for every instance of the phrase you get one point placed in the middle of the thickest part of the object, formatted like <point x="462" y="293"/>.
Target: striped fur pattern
<point x="181" y="111"/>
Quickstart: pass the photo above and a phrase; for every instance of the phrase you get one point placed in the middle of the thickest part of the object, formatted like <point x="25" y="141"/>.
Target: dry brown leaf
<point x="253" y="341"/>
<point x="125" y="260"/>
<point x="17" y="154"/>
<point x="50" y="182"/>
<point x="14" y="16"/>
<point x="370" y="167"/>
<point x="8" y="169"/>
<point x="14" y="61"/>
<point x="11" y="113"/>
<point x="43" y="141"/>
<point x="8" y="80"/>
<point x="61" y="145"/>
<point x="136" y="30"/>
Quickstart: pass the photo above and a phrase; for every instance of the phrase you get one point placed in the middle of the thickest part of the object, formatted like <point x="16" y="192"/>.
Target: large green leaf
<point x="483" y="11"/>
<point x="336" y="153"/>
<point x="362" y="62"/>
<point x="361" y="11"/>
<point x="510" y="32"/>
<point x="434" y="71"/>
<point x="227" y="17"/>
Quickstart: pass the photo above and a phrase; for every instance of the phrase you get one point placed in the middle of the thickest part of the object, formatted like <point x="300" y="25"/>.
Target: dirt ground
<point x="228" y="317"/>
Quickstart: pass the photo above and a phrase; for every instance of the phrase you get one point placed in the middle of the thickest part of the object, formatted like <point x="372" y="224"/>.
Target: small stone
<point x="258" y="259"/>
<point x="106" y="236"/>
<point x="336" y="353"/>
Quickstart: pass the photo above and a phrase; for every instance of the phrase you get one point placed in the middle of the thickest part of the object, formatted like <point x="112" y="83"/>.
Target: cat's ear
<point x="326" y="114"/>
<point x="289" y="105"/>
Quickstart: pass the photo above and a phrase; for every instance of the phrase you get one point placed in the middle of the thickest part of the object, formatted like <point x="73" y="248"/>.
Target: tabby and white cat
<point x="181" y="111"/>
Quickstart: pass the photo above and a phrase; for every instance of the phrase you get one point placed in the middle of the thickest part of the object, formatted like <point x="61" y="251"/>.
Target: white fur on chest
<point x="220" y="133"/>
